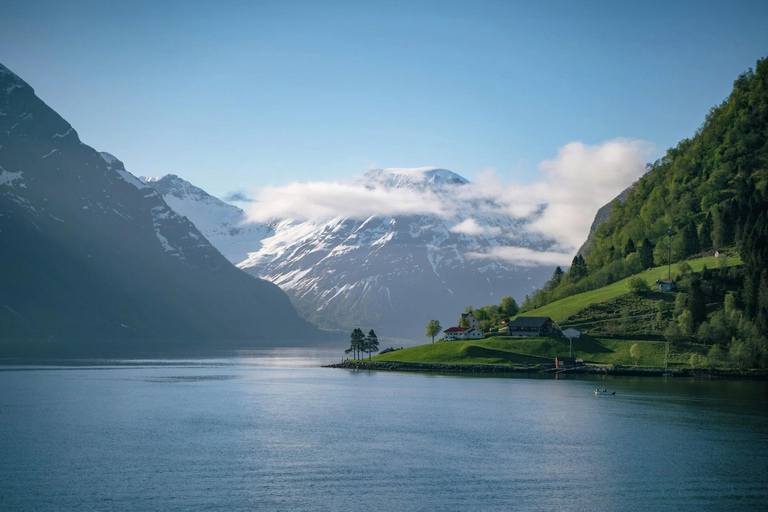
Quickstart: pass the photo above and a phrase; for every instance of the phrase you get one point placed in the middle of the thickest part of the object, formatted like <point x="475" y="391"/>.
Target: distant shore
<point x="548" y="369"/>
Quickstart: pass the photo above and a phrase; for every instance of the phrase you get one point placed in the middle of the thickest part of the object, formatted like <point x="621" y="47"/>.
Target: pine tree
<point x="723" y="232"/>
<point x="371" y="343"/>
<point x="578" y="268"/>
<point x="705" y="233"/>
<point x="646" y="253"/>
<point x="557" y="275"/>
<point x="690" y="240"/>
<point x="357" y="342"/>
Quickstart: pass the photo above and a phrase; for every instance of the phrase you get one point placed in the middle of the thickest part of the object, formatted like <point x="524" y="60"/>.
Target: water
<point x="275" y="432"/>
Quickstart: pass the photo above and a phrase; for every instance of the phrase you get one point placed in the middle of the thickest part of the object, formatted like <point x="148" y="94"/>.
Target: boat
<point x="604" y="392"/>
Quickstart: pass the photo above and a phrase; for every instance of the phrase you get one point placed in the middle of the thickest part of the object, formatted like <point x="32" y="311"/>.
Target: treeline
<point x="707" y="313"/>
<point x="712" y="191"/>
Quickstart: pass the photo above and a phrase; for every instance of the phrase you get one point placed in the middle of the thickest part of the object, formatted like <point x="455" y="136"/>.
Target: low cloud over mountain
<point x="558" y="207"/>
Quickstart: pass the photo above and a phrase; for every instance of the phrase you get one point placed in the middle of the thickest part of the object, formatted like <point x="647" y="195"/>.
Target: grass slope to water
<point x="517" y="351"/>
<point x="564" y="308"/>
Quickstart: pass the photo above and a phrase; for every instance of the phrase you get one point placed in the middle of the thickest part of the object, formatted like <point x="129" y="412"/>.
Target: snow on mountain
<point x="223" y="224"/>
<point x="390" y="273"/>
<point x="419" y="177"/>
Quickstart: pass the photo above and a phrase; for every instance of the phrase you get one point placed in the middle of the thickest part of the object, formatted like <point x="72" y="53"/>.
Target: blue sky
<point x="237" y="95"/>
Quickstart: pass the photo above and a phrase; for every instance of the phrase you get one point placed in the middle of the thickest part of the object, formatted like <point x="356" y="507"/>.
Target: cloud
<point x="580" y="180"/>
<point x="558" y="207"/>
<point x="471" y="227"/>
<point x="319" y="200"/>
<point x="524" y="257"/>
<point x="239" y="195"/>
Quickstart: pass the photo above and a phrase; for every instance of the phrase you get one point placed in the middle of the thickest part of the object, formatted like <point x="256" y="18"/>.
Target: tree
<point x="634" y="351"/>
<point x="371" y="343"/>
<point x="646" y="253"/>
<point x="557" y="275"/>
<point x="508" y="305"/>
<point x="705" y="233"/>
<point x="638" y="285"/>
<point x="722" y="233"/>
<point x="463" y="322"/>
<point x="687" y="326"/>
<point x="739" y="354"/>
<point x="433" y="329"/>
<point x="690" y="240"/>
<point x="357" y="342"/>
<point x="715" y="356"/>
<point x="629" y="247"/>
<point x="672" y="333"/>
<point x="705" y="333"/>
<point x="697" y="302"/>
<point x="578" y="268"/>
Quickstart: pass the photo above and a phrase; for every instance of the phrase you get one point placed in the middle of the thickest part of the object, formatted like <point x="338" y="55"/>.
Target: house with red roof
<point x="470" y="332"/>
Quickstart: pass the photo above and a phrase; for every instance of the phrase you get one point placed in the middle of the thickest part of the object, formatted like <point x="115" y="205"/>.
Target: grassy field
<point x="564" y="308"/>
<point x="517" y="351"/>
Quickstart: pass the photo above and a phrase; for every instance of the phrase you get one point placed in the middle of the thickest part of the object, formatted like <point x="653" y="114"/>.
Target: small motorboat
<point x="604" y="392"/>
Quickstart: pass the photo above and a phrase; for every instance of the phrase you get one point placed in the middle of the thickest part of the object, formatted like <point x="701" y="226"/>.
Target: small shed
<point x="665" y="286"/>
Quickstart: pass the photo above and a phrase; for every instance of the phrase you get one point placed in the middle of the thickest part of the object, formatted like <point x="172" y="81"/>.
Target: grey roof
<point x="529" y="321"/>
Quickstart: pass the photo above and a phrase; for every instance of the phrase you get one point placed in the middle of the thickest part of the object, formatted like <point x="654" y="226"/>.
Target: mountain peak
<point x="400" y="177"/>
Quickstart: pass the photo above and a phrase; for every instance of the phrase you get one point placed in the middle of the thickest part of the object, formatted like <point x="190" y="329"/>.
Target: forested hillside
<point x="710" y="191"/>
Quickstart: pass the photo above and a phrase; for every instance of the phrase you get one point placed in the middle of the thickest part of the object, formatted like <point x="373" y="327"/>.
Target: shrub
<point x="638" y="285"/>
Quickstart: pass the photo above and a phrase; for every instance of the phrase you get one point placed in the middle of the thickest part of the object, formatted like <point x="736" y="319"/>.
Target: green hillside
<point x="489" y="351"/>
<point x="518" y="351"/>
<point x="561" y="309"/>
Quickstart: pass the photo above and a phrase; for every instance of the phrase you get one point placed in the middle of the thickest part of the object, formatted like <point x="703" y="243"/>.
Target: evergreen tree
<point x="578" y="268"/>
<point x="357" y="342"/>
<point x="557" y="275"/>
<point x="629" y="248"/>
<point x="705" y="233"/>
<point x="697" y="303"/>
<point x="723" y="231"/>
<point x="690" y="240"/>
<point x="371" y="343"/>
<point x="646" y="253"/>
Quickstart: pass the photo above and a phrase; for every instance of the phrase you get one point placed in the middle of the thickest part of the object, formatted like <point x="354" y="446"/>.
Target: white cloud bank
<point x="472" y="227"/>
<point x="559" y="206"/>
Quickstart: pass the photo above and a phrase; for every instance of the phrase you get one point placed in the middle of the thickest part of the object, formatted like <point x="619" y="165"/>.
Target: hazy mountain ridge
<point x="93" y="259"/>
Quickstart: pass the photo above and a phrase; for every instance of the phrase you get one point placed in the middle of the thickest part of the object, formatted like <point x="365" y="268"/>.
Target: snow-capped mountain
<point x="224" y="225"/>
<point x="390" y="273"/>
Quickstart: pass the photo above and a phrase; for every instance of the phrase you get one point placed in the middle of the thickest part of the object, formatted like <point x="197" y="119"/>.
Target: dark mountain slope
<point x="93" y="260"/>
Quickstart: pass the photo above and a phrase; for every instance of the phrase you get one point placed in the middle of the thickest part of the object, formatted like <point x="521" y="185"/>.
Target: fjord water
<point x="276" y="432"/>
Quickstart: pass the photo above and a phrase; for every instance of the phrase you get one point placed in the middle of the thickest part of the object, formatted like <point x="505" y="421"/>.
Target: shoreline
<point x="545" y="369"/>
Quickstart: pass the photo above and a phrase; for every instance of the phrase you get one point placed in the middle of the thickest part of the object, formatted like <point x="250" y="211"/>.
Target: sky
<point x="238" y="96"/>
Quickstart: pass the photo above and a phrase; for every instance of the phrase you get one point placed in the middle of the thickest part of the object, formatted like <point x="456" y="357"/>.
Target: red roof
<point x="456" y="329"/>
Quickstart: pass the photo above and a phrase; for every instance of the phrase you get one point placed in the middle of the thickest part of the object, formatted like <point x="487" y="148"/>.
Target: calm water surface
<point x="273" y="431"/>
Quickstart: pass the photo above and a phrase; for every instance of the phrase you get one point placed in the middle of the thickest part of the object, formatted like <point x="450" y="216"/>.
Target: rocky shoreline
<point x="547" y="369"/>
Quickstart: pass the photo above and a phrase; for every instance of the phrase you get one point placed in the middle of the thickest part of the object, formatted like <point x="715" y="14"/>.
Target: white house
<point x="470" y="332"/>
<point x="571" y="333"/>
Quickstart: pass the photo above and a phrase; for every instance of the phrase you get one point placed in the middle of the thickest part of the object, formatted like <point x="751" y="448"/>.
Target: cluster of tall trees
<point x="361" y="344"/>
